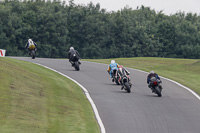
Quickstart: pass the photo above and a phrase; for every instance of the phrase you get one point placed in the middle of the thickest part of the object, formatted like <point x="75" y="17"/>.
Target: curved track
<point x="177" y="111"/>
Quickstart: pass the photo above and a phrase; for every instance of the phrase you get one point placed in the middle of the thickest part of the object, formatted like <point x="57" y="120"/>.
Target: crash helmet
<point x="29" y="40"/>
<point x="151" y="72"/>
<point x="71" y="48"/>
<point x="112" y="61"/>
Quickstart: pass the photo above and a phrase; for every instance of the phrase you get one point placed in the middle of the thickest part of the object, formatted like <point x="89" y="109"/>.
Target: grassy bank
<point x="184" y="71"/>
<point x="36" y="100"/>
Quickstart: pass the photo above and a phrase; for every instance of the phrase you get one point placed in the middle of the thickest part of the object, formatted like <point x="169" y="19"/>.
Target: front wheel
<point x="128" y="89"/>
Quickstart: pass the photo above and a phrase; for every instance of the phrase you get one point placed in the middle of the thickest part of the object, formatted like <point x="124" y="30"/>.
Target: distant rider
<point x="153" y="74"/>
<point x="71" y="58"/>
<point x="111" y="67"/>
<point x="31" y="45"/>
<point x="121" y="73"/>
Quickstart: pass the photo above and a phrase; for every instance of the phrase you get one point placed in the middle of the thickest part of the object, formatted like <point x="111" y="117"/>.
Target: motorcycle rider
<point x="71" y="52"/>
<point x="30" y="45"/>
<point x="124" y="71"/>
<point x="111" y="67"/>
<point x="150" y="75"/>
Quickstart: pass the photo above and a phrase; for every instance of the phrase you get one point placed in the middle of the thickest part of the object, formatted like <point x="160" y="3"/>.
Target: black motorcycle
<point x="124" y="80"/>
<point x="75" y="62"/>
<point x="155" y="86"/>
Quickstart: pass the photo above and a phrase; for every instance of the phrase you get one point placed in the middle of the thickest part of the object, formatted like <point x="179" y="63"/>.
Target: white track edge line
<point x="102" y="128"/>
<point x="190" y="90"/>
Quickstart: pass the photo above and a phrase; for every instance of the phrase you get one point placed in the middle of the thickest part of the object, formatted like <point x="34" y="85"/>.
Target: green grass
<point x="37" y="100"/>
<point x="184" y="71"/>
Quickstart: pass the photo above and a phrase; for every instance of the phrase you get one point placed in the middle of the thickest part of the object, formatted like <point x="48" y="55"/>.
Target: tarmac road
<point x="177" y="111"/>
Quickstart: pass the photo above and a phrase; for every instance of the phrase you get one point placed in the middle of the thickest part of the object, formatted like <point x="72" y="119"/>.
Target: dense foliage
<point x="96" y="33"/>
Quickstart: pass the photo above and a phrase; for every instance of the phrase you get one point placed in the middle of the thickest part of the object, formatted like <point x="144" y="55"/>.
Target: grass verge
<point x="34" y="99"/>
<point x="184" y="71"/>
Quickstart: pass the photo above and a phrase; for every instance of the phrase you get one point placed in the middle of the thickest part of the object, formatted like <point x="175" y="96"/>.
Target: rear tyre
<point x="128" y="89"/>
<point x="158" y="92"/>
<point x="76" y="65"/>
<point x="33" y="54"/>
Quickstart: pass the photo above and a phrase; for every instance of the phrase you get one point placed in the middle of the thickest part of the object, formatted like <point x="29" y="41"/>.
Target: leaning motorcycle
<point x="124" y="80"/>
<point x="75" y="62"/>
<point x="155" y="86"/>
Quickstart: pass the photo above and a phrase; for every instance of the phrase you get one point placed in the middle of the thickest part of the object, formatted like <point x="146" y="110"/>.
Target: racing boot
<point x="73" y="64"/>
<point x="130" y="84"/>
<point x="160" y="87"/>
<point x="113" y="80"/>
<point x="122" y="87"/>
<point x="152" y="90"/>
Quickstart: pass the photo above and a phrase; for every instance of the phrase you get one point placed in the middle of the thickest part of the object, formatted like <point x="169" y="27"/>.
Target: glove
<point x="108" y="72"/>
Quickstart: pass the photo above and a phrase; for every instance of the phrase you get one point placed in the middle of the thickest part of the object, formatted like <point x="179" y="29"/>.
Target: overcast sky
<point x="168" y="6"/>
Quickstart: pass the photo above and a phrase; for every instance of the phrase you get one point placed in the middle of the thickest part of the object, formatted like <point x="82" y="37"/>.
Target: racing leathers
<point x="149" y="78"/>
<point x="31" y="45"/>
<point x="111" y="67"/>
<point x="73" y="55"/>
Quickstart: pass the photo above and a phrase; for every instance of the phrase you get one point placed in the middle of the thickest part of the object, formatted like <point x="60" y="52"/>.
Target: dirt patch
<point x="41" y="93"/>
<point x="63" y="110"/>
<point x="12" y="87"/>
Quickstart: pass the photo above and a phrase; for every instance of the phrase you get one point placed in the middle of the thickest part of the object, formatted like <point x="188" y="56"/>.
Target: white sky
<point x="168" y="6"/>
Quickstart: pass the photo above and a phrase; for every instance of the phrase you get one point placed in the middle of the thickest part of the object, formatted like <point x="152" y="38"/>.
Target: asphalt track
<point x="177" y="111"/>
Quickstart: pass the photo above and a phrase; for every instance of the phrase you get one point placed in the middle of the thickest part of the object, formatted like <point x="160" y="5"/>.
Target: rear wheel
<point x="128" y="89"/>
<point x="158" y="92"/>
<point x="76" y="65"/>
<point x="33" y="54"/>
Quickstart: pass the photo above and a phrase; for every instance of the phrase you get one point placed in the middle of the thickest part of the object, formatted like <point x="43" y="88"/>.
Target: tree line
<point x="96" y="33"/>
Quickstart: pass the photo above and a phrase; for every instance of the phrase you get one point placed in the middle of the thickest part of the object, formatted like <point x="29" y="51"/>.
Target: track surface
<point x="140" y="111"/>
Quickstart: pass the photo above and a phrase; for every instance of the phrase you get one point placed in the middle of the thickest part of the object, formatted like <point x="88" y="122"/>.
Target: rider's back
<point x="113" y="66"/>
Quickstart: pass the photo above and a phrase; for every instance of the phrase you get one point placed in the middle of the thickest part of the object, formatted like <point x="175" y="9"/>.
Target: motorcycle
<point x="124" y="80"/>
<point x="155" y="86"/>
<point x="75" y="62"/>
